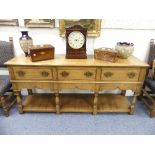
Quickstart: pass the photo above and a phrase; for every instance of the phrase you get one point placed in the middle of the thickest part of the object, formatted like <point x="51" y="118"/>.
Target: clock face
<point x="76" y="39"/>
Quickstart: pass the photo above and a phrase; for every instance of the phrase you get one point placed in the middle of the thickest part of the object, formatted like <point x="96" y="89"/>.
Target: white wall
<point x="112" y="31"/>
<point x="138" y="32"/>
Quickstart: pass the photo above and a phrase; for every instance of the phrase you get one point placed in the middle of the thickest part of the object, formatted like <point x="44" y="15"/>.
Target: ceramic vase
<point x="25" y="42"/>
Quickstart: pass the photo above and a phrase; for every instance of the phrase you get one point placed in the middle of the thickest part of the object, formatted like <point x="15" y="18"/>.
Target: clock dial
<point x="76" y="39"/>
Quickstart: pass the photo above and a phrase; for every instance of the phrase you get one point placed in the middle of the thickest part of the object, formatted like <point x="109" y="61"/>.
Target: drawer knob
<point x="21" y="73"/>
<point x="131" y="75"/>
<point x="88" y="74"/>
<point x="108" y="74"/>
<point x="45" y="74"/>
<point x="64" y="74"/>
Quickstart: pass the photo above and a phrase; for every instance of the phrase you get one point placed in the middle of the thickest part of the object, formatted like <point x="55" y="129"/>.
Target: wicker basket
<point x="106" y="54"/>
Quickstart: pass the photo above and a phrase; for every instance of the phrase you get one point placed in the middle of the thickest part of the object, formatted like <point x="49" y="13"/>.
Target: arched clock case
<point x="76" y="42"/>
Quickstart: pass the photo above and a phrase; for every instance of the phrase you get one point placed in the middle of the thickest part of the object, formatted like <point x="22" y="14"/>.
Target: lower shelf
<point x="113" y="103"/>
<point x="76" y="103"/>
<point x="39" y="103"/>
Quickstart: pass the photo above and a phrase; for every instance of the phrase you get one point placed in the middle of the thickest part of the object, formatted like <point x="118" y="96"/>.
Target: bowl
<point x="124" y="49"/>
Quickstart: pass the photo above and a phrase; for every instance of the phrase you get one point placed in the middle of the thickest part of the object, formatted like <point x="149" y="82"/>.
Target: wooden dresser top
<point x="90" y="61"/>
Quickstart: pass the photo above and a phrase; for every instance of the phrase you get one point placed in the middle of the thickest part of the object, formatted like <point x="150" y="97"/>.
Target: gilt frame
<point x="92" y="32"/>
<point x="9" y="22"/>
<point x="39" y="23"/>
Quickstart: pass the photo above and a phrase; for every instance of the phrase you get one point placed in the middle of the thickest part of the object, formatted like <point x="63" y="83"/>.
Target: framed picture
<point x="93" y="26"/>
<point x="49" y="23"/>
<point x="9" y="22"/>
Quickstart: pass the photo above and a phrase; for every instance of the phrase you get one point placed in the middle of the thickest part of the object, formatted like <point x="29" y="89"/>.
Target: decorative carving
<point x="131" y="75"/>
<point x="88" y="74"/>
<point x="45" y="74"/>
<point x="108" y="74"/>
<point x="21" y="73"/>
<point x="64" y="74"/>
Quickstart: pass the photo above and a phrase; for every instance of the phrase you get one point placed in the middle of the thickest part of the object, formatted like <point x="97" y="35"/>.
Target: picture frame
<point x="39" y="23"/>
<point x="9" y="22"/>
<point x="93" y="26"/>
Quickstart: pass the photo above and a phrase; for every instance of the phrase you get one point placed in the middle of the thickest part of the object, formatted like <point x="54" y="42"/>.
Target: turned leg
<point x="123" y="92"/>
<point x="150" y="108"/>
<point x="19" y="102"/>
<point x="0" y="101"/>
<point x="133" y="104"/>
<point x="57" y="103"/>
<point x="3" y="102"/>
<point x="152" y="112"/>
<point x="95" y="104"/>
<point x="30" y="91"/>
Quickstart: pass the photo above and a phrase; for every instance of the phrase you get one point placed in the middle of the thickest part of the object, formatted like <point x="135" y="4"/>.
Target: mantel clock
<point x="76" y="42"/>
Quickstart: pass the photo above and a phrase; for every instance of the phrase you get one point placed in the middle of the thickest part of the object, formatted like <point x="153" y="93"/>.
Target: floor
<point x="78" y="123"/>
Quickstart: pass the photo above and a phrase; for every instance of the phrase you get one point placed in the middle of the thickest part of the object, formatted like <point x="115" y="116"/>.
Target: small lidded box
<point x="41" y="52"/>
<point x="106" y="54"/>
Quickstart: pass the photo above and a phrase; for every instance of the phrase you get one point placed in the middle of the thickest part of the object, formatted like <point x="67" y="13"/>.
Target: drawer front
<point x="73" y="86"/>
<point x="31" y="73"/>
<point x="120" y="74"/>
<point x="76" y="74"/>
<point x="32" y="85"/>
<point x="119" y="85"/>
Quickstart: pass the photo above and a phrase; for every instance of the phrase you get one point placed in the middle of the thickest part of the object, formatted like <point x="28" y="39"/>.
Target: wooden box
<point x="106" y="54"/>
<point x="41" y="52"/>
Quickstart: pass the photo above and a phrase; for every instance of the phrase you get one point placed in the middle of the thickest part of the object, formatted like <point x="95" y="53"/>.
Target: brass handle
<point x="108" y="74"/>
<point x="131" y="75"/>
<point x="88" y="74"/>
<point x="44" y="74"/>
<point x="21" y="73"/>
<point x="64" y="74"/>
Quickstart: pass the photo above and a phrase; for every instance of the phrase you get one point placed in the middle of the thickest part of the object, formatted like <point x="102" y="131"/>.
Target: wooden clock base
<point x="76" y="56"/>
<point x="76" y="42"/>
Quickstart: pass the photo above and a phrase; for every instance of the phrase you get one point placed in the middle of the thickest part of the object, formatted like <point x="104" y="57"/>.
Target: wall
<point x="112" y="31"/>
<point x="138" y="32"/>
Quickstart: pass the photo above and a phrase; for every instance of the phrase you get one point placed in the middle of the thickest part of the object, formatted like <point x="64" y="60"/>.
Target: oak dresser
<point x="90" y="74"/>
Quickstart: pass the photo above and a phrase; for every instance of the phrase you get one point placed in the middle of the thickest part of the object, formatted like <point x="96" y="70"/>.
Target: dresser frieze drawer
<point x="75" y="73"/>
<point x="32" y="73"/>
<point x="120" y="74"/>
<point x="72" y="86"/>
<point x="32" y="85"/>
<point x="121" y="86"/>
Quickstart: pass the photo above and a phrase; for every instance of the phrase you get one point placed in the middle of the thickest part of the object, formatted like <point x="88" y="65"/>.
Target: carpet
<point x="78" y="123"/>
